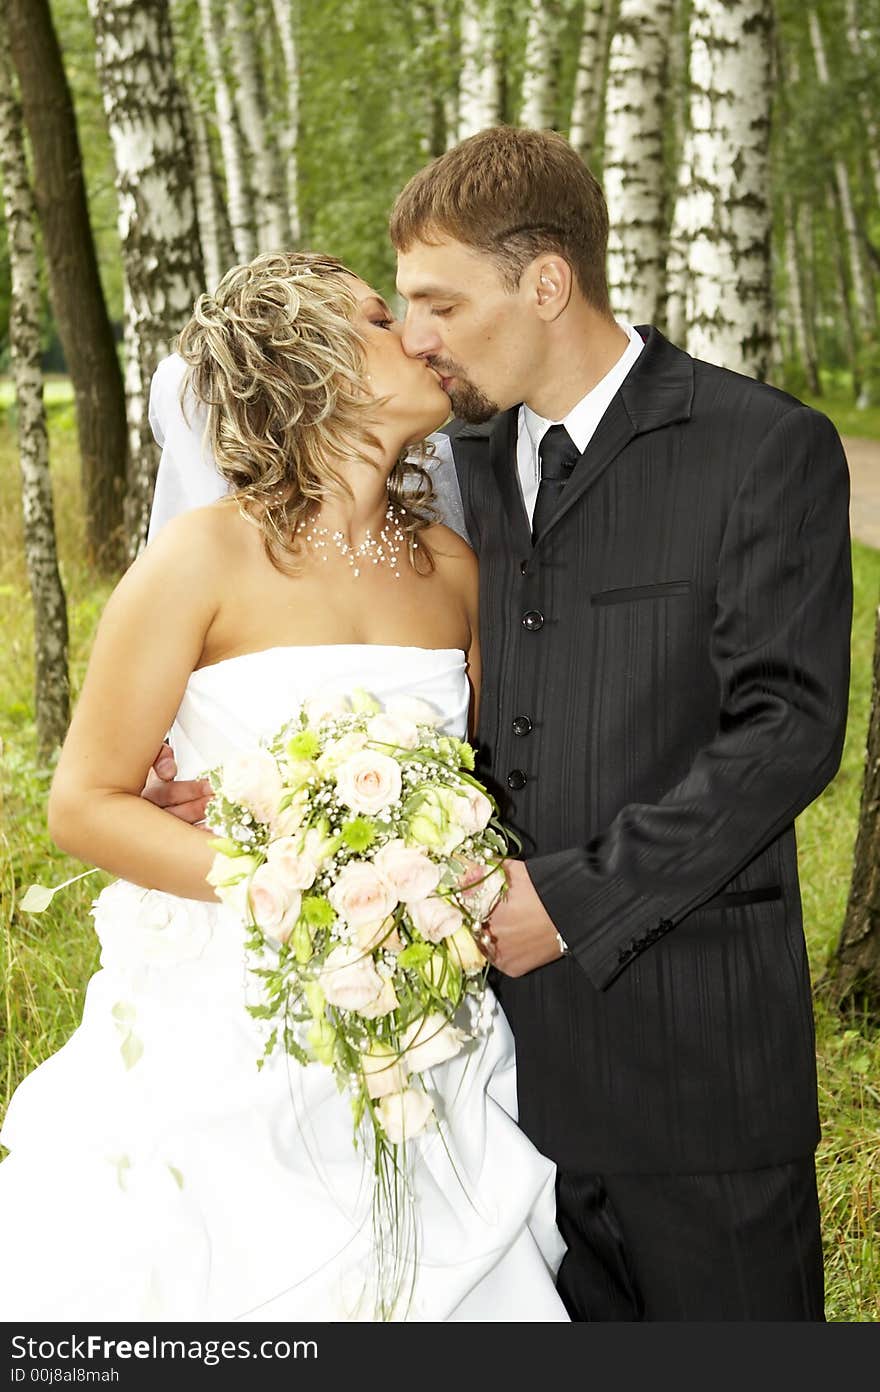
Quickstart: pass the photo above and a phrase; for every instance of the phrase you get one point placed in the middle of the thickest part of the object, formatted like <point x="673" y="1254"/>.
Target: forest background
<point x="737" y="141"/>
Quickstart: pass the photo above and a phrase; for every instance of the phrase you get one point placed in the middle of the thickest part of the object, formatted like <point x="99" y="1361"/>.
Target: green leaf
<point x="131" y="1050"/>
<point x="37" y="899"/>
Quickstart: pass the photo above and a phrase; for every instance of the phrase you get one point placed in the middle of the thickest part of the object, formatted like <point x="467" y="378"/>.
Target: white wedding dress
<point x="156" y="1173"/>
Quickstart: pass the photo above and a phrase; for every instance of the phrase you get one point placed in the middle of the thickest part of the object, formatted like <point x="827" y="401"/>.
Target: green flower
<point x="316" y="911"/>
<point x="362" y="703"/>
<point x="303" y="746"/>
<point x="358" y="834"/>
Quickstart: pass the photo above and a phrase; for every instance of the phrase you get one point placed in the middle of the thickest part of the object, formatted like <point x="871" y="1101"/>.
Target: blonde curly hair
<point x="276" y="357"/>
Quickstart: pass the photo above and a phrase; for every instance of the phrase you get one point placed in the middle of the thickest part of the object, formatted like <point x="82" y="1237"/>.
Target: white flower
<point x="251" y="778"/>
<point x="349" y="978"/>
<point x="413" y="708"/>
<point x="464" y="950"/>
<point x="368" y="782"/>
<point x="435" y="918"/>
<point x="382" y="1070"/>
<point x="339" y="750"/>
<point x="360" y="895"/>
<point x="296" y="870"/>
<point x="474" y="811"/>
<point x="229" y="877"/>
<point x="430" y="1041"/>
<point x="395" y="730"/>
<point x="370" y="936"/>
<point x="275" y="905"/>
<point x="408" y="872"/>
<point x="405" y="1114"/>
<point x="324" y="706"/>
<point x="435" y="822"/>
<point x="385" y="1002"/>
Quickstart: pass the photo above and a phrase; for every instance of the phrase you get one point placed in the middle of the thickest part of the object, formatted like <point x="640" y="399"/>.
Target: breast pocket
<point x="666" y="589"/>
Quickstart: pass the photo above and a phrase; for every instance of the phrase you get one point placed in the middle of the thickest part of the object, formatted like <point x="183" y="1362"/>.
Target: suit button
<point x="521" y="725"/>
<point x="533" y="620"/>
<point x="516" y="780"/>
<point x="523" y="567"/>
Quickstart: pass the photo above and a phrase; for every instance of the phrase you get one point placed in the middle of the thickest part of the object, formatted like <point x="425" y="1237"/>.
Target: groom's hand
<point x="186" y="799"/>
<point x="519" y="935"/>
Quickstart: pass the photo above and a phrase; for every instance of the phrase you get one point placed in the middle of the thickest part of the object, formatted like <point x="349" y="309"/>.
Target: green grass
<point x="46" y="961"/>
<point x="837" y="402"/>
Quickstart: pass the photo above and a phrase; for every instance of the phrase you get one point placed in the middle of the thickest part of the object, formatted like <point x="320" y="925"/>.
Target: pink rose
<point x="326" y="705"/>
<point x="251" y="778"/>
<point x="384" y="1003"/>
<point x="395" y="730"/>
<point x="368" y="782"/>
<point x="429" y="1041"/>
<point x="349" y="978"/>
<point x="473" y="811"/>
<point x="274" y="904"/>
<point x="293" y="868"/>
<point x="435" y="918"/>
<point x="407" y="871"/>
<point x="379" y="936"/>
<point x="360" y="895"/>
<point x="383" y="1072"/>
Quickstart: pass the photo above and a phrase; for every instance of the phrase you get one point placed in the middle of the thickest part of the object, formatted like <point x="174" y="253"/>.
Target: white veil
<point x="188" y="479"/>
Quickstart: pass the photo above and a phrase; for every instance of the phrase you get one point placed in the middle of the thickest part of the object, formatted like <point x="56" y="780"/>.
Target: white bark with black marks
<point x="634" y="175"/>
<point x="239" y="196"/>
<point x="286" y="22"/>
<point x="478" y="81"/>
<point x="589" y="91"/>
<point x="273" y="232"/>
<point x="158" y="225"/>
<point x="540" y="94"/>
<point x="865" y="307"/>
<point x="725" y="219"/>
<point x="52" y="689"/>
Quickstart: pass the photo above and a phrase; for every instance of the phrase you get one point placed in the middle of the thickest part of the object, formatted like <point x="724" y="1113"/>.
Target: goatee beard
<point x="469" y="403"/>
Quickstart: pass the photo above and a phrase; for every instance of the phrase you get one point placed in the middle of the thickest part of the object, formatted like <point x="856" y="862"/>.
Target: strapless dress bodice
<point x="239" y="701"/>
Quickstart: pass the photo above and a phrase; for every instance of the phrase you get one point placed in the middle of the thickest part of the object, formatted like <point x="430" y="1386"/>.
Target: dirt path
<point x="863" y="457"/>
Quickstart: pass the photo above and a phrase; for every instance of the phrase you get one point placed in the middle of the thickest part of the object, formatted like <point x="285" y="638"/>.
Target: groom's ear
<point x="549" y="285"/>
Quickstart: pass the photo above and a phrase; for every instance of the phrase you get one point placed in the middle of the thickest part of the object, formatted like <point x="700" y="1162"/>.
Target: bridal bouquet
<point x="363" y="856"/>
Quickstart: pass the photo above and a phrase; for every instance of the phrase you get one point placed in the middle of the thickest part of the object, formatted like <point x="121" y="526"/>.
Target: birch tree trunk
<point x="868" y="115"/>
<point x="726" y="220"/>
<point x="855" y="972"/>
<point x="478" y="84"/>
<point x="287" y="24"/>
<point x="634" y="174"/>
<point x="866" y="309"/>
<point x="157" y="211"/>
<point x="803" y="338"/>
<point x="52" y="690"/>
<point x="216" y="254"/>
<point x="273" y="232"/>
<point x="589" y="92"/>
<point x="540" y="95"/>
<point x="239" y="198"/>
<point x="81" y="316"/>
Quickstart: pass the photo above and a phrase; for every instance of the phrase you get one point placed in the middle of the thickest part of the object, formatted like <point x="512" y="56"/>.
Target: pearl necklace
<point x="384" y="550"/>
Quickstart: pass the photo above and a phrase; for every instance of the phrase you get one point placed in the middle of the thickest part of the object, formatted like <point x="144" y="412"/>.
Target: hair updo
<point x="277" y="358"/>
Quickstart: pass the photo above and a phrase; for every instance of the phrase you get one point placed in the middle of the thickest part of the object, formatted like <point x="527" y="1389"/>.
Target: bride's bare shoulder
<point x="447" y="545"/>
<point x="215" y="533"/>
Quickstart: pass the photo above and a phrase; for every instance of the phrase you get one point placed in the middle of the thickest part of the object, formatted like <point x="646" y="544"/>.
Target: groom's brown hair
<point x="511" y="193"/>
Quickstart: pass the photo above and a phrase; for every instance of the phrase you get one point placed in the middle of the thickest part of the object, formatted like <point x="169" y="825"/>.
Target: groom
<point x="665" y="611"/>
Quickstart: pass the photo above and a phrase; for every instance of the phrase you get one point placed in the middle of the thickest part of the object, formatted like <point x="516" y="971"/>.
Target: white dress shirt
<point x="581" y="421"/>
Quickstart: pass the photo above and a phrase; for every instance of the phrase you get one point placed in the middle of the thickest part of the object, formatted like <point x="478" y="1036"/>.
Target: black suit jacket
<point x="665" y="689"/>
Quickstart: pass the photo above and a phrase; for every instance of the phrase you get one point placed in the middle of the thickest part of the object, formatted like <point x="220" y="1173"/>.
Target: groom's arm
<point x="780" y="646"/>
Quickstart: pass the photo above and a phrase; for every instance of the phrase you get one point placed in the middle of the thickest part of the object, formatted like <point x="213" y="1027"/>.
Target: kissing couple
<point x="639" y="610"/>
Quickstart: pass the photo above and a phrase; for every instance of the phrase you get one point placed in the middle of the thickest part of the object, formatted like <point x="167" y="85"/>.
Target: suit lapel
<point x="497" y="438"/>
<point x="658" y="390"/>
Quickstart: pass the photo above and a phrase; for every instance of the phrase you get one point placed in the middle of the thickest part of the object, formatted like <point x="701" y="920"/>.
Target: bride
<point x="155" y="1172"/>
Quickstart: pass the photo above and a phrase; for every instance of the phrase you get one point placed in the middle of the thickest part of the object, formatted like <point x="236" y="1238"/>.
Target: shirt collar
<point x="585" y="415"/>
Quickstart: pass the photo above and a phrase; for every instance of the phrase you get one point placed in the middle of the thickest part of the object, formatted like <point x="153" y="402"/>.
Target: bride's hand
<point x="186" y="799"/>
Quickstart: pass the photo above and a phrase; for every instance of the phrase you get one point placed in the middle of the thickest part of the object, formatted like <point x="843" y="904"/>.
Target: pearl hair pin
<point x="382" y="550"/>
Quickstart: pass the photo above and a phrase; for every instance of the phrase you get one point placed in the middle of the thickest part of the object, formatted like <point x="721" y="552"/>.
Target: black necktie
<point x="558" y="454"/>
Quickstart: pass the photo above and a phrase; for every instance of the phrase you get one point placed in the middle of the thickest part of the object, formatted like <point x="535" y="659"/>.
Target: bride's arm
<point x="149" y="640"/>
